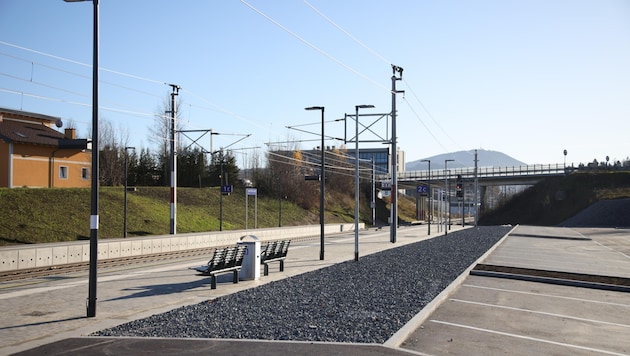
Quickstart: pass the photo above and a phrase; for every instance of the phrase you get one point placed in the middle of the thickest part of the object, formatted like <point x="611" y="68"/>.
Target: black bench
<point x="274" y="251"/>
<point x="223" y="260"/>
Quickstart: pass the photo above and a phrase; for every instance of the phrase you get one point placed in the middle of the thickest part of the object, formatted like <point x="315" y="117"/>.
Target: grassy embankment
<point x="55" y="215"/>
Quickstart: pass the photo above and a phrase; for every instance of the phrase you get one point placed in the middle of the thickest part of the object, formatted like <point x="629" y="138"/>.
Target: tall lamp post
<point x="91" y="304"/>
<point x="356" y="179"/>
<point x="125" y="199"/>
<point x="447" y="220"/>
<point x="429" y="196"/>
<point x="322" y="186"/>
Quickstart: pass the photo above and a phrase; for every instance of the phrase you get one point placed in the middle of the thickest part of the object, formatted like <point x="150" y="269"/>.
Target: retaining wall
<point x="54" y="254"/>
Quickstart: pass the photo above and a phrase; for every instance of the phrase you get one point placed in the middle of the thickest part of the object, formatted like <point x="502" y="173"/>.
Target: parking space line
<point x="613" y="250"/>
<point x="527" y="338"/>
<point x="564" y="316"/>
<point x="547" y="295"/>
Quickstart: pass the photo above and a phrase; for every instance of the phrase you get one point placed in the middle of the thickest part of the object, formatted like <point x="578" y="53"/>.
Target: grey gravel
<point x="362" y="302"/>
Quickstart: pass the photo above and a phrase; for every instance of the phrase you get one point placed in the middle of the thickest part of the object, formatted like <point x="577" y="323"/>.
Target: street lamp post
<point x="125" y="199"/>
<point x="447" y="220"/>
<point x="280" y="200"/>
<point x="356" y="179"/>
<point x="322" y="186"/>
<point x="221" y="185"/>
<point x="429" y="196"/>
<point x="91" y="305"/>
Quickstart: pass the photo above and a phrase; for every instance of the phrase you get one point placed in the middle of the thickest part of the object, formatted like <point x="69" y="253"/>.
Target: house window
<point x="84" y="173"/>
<point x="63" y="172"/>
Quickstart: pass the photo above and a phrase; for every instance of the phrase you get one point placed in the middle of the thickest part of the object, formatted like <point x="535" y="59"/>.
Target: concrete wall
<point x="54" y="254"/>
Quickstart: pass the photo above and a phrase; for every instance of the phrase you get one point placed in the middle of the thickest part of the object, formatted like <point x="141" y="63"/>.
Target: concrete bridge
<point x="514" y="175"/>
<point x="438" y="179"/>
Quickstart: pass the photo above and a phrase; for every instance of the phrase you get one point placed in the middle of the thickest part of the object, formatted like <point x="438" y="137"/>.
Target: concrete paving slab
<point x="481" y="316"/>
<point x="45" y="310"/>
<point x="489" y="315"/>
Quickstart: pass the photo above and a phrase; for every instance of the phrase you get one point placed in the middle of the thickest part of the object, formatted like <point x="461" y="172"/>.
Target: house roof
<point x="30" y="128"/>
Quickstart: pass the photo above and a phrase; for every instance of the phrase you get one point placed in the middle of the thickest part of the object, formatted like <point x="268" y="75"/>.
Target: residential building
<point x="34" y="154"/>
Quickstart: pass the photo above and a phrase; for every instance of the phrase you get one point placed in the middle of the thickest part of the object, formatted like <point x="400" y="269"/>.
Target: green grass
<point x="55" y="215"/>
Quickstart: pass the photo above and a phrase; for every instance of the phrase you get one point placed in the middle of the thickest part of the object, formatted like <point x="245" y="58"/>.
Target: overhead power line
<point x="322" y="52"/>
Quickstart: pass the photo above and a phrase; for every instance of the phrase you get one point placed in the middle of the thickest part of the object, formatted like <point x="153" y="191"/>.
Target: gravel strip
<point x="362" y="302"/>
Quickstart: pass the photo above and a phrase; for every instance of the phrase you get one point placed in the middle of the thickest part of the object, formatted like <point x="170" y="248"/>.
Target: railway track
<point x="7" y="276"/>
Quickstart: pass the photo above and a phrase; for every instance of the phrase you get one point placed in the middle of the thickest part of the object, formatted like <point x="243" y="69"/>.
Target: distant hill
<point x="465" y="159"/>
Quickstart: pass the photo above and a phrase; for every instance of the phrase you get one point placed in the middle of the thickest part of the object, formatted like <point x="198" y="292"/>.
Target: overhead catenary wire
<point x="383" y="59"/>
<point x="128" y="111"/>
<point x="228" y="112"/>
<point x="101" y="107"/>
<point x="319" y="50"/>
<point x="34" y="63"/>
<point x="376" y="54"/>
<point x="316" y="164"/>
<point x="81" y="63"/>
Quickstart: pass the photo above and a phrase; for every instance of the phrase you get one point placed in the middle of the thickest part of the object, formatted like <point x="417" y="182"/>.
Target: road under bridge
<point x="441" y="193"/>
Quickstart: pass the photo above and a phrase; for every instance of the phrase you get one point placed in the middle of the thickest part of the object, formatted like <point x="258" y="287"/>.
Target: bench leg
<point x="266" y="272"/>
<point x="235" y="276"/>
<point x="281" y="265"/>
<point x="213" y="281"/>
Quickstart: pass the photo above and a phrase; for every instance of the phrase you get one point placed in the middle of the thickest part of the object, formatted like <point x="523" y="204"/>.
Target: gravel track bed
<point x="362" y="302"/>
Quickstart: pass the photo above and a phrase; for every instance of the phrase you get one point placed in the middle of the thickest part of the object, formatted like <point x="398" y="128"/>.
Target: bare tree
<point x="112" y="144"/>
<point x="159" y="134"/>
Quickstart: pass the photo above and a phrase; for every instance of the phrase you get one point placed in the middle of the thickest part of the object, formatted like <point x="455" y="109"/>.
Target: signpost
<point x="423" y="190"/>
<point x="253" y="192"/>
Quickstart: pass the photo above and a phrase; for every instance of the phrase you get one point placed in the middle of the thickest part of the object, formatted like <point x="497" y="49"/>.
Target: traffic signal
<point x="459" y="187"/>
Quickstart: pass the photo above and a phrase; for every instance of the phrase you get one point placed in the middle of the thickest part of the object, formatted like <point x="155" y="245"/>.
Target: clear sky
<point x="527" y="78"/>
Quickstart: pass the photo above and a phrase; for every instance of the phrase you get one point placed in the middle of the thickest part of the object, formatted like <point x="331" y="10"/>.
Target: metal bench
<point x="274" y="251"/>
<point x="223" y="260"/>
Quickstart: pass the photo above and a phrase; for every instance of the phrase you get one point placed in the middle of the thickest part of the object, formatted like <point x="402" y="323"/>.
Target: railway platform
<point x="516" y="310"/>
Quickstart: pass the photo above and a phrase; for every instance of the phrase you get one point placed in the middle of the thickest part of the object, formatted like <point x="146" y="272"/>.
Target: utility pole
<point x="394" y="192"/>
<point x="447" y="218"/>
<point x="429" y="196"/>
<point x="221" y="184"/>
<point x="373" y="202"/>
<point x="173" y="224"/>
<point x="476" y="191"/>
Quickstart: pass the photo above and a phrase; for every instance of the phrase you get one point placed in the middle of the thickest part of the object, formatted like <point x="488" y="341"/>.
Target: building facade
<point x="34" y="154"/>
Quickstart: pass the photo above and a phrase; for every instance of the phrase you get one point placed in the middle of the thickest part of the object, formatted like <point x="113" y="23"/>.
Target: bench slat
<point x="222" y="261"/>
<point x="279" y="254"/>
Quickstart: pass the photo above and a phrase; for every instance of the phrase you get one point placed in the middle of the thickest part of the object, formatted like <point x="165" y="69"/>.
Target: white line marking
<point x="541" y="313"/>
<point x="84" y="281"/>
<point x="529" y="338"/>
<point x="548" y="295"/>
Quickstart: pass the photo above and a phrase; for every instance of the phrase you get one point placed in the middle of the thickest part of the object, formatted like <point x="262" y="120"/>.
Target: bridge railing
<point x="482" y="172"/>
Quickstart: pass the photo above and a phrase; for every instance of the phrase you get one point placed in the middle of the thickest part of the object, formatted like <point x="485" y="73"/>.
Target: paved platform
<point x="477" y="314"/>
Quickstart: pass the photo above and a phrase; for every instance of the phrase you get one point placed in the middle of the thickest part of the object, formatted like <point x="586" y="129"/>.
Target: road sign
<point x="251" y="191"/>
<point x="386" y="185"/>
<point x="226" y="189"/>
<point x="422" y="189"/>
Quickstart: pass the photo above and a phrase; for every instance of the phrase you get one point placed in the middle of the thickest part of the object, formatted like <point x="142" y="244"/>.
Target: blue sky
<point x="527" y="78"/>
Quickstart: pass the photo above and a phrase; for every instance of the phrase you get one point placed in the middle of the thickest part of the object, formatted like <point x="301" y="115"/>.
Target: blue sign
<point x="226" y="189"/>
<point x="422" y="189"/>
